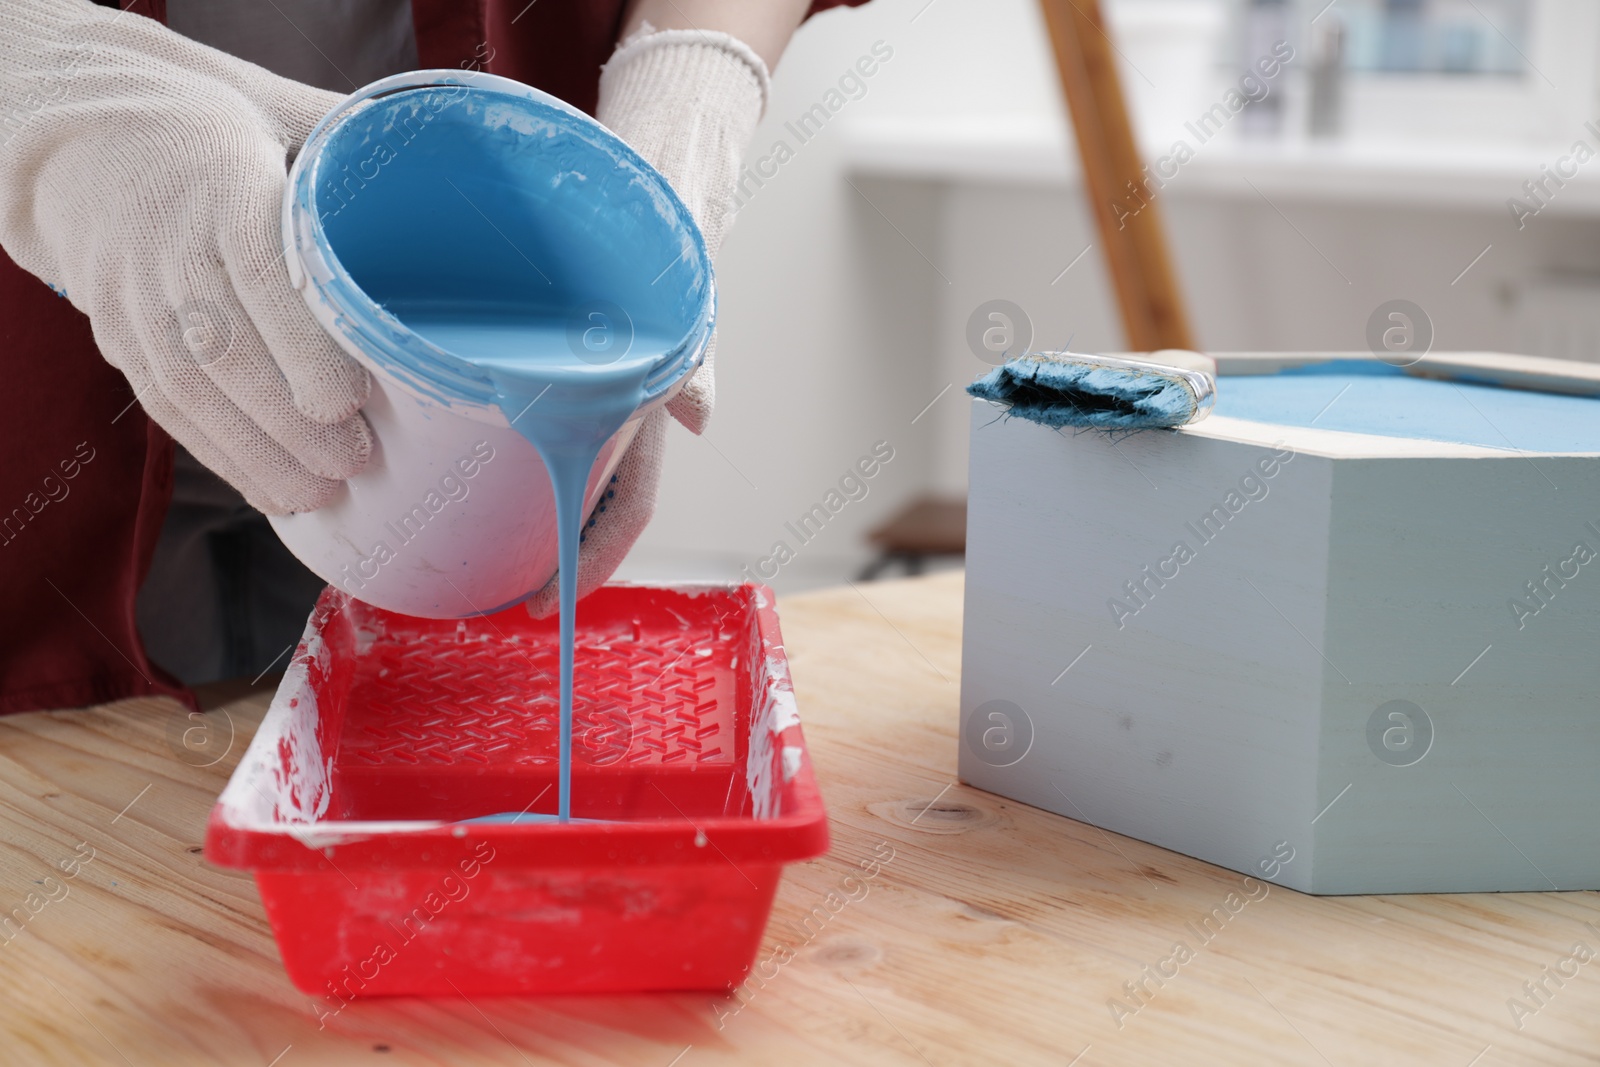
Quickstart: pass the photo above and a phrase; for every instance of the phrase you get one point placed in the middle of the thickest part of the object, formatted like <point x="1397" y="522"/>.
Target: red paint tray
<point x="388" y="731"/>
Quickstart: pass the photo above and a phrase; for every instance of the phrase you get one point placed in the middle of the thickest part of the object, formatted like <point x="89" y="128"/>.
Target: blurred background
<point x="916" y="162"/>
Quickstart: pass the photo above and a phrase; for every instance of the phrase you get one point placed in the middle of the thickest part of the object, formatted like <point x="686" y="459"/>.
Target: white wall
<point x="827" y="329"/>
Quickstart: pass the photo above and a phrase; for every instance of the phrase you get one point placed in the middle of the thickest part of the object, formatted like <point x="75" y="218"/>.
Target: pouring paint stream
<point x="567" y="400"/>
<point x="488" y="246"/>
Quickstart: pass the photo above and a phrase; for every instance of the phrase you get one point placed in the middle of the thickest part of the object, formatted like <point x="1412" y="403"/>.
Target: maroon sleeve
<point x="82" y="495"/>
<point x="828" y="5"/>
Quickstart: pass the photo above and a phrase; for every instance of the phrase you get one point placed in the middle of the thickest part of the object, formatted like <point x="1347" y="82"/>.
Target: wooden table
<point x="996" y="934"/>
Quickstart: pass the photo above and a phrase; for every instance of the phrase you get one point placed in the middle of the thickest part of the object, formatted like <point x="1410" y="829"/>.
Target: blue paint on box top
<point x="1373" y="398"/>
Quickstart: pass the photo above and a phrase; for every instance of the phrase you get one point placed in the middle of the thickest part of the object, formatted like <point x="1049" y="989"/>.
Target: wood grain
<point x="996" y="933"/>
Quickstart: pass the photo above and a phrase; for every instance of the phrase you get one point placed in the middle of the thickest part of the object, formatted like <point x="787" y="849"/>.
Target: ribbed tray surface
<point x="451" y="699"/>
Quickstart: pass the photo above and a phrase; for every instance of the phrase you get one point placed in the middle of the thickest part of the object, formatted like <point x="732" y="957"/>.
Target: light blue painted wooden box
<point x="1351" y="618"/>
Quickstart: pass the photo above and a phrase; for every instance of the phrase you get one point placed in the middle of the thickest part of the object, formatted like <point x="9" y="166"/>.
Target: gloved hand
<point x="687" y="101"/>
<point x="141" y="174"/>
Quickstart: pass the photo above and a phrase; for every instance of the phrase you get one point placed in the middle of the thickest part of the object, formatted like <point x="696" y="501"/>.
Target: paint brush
<point x="1167" y="389"/>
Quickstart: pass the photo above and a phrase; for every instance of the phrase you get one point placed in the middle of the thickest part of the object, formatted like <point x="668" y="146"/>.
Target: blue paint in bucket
<point x="489" y="247"/>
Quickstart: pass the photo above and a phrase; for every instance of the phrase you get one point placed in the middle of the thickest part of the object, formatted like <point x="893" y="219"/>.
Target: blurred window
<point x="1467" y="37"/>
<point x="1464" y="71"/>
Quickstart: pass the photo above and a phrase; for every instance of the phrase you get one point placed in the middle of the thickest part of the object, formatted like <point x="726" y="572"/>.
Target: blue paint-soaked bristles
<point x="1094" y="392"/>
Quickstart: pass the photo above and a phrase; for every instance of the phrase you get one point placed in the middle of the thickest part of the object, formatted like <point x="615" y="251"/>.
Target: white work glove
<point x="141" y="174"/>
<point x="687" y="101"/>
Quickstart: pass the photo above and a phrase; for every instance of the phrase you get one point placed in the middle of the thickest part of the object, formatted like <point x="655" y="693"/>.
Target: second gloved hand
<point x="687" y="101"/>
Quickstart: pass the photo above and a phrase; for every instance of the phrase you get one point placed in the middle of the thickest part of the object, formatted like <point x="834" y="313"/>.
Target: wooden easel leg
<point x="1125" y="210"/>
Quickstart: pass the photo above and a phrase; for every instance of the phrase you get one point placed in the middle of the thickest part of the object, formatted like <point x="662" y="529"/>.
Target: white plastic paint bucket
<point x="485" y="182"/>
